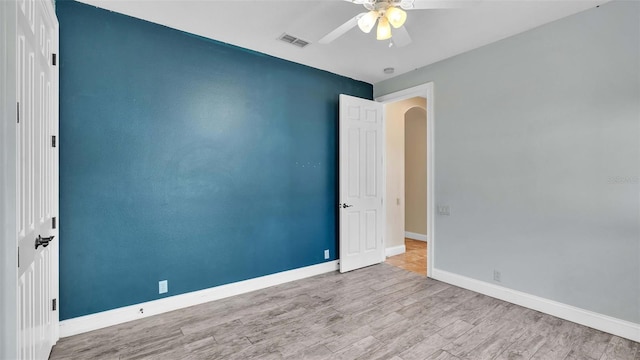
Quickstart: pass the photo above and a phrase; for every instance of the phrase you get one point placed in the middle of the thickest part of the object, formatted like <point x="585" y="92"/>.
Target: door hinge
<point x="18" y="256"/>
<point x="54" y="304"/>
<point x="54" y="59"/>
<point x="53" y="141"/>
<point x="53" y="222"/>
<point x="18" y="111"/>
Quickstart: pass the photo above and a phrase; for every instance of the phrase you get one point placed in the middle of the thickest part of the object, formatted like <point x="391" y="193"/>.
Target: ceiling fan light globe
<point x="396" y="16"/>
<point x="367" y="22"/>
<point x="384" y="29"/>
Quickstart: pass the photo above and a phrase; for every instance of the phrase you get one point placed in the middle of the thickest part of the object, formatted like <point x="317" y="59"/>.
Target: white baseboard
<point x="395" y="250"/>
<point x="128" y="313"/>
<point x="415" y="236"/>
<point x="622" y="328"/>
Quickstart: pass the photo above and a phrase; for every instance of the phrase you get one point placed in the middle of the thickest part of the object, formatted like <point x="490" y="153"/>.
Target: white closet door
<point x="36" y="175"/>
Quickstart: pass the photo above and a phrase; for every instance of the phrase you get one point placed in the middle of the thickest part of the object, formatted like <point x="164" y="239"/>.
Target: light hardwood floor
<point x="380" y="312"/>
<point x="414" y="259"/>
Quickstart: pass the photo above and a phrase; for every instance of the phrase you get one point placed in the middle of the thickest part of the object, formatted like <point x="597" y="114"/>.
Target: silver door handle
<point x="344" y="206"/>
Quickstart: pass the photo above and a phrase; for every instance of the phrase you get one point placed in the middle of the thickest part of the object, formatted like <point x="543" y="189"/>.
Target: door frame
<point x="8" y="248"/>
<point x="425" y="91"/>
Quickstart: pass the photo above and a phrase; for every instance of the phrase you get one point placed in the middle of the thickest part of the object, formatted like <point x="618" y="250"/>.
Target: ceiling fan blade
<point x="341" y="30"/>
<point x="401" y="37"/>
<point x="436" y="4"/>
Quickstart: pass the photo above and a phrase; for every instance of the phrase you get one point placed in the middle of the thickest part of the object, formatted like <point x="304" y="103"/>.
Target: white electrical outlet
<point x="326" y="254"/>
<point x="497" y="276"/>
<point x="444" y="210"/>
<point x="163" y="286"/>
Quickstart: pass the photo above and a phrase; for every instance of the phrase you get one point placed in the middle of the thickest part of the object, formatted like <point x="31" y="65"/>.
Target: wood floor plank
<point x="360" y="349"/>
<point x="398" y="342"/>
<point x="222" y="333"/>
<point x="338" y="342"/>
<point x="470" y="311"/>
<point x="432" y="287"/>
<point x="405" y="327"/>
<point x="559" y="342"/>
<point x="481" y="332"/>
<point x="524" y="347"/>
<point x="590" y="345"/>
<point x="191" y="346"/>
<point x="425" y="349"/>
<point x="222" y="351"/>
<point x="455" y="330"/>
<point x="446" y="356"/>
<point x="498" y="341"/>
<point x="154" y="347"/>
<point x="621" y="349"/>
<point x="317" y="352"/>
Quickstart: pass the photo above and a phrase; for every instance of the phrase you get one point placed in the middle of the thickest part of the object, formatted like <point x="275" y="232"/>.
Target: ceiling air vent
<point x="293" y="40"/>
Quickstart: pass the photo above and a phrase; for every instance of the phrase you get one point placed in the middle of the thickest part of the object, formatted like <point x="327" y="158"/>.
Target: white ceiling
<point x="437" y="34"/>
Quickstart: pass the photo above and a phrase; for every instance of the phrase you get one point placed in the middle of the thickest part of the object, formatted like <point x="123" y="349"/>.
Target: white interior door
<point x="37" y="174"/>
<point x="361" y="156"/>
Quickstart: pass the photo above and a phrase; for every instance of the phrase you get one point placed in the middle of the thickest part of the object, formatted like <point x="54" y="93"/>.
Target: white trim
<point x="55" y="205"/>
<point x="384" y="180"/>
<point x="128" y="313"/>
<point x="395" y="250"/>
<point x="8" y="222"/>
<point x="426" y="91"/>
<point x="415" y="236"/>
<point x="419" y="90"/>
<point x="622" y="328"/>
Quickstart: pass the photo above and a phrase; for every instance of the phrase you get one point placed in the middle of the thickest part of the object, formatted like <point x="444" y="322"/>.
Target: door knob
<point x="344" y="206"/>
<point x="43" y="241"/>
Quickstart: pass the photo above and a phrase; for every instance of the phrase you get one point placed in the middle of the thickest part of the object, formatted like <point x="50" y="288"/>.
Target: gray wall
<point x="537" y="151"/>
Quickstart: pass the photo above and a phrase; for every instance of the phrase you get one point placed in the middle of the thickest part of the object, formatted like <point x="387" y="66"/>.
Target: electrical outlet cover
<point x="326" y="254"/>
<point x="163" y="286"/>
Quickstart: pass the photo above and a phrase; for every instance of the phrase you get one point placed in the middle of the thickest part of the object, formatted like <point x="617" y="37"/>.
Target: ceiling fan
<point x="388" y="13"/>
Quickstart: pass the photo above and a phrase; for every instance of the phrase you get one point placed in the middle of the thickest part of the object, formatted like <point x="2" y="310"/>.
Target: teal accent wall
<point x="188" y="160"/>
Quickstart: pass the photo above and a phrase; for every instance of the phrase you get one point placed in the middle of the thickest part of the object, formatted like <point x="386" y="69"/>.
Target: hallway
<point x="414" y="259"/>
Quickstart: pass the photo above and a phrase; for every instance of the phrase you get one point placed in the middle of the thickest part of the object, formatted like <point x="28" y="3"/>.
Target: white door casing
<point x="361" y="183"/>
<point x="8" y="249"/>
<point x="36" y="177"/>
<point x="427" y="91"/>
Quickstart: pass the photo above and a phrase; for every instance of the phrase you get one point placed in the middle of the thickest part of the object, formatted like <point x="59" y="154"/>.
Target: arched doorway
<point x="415" y="189"/>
